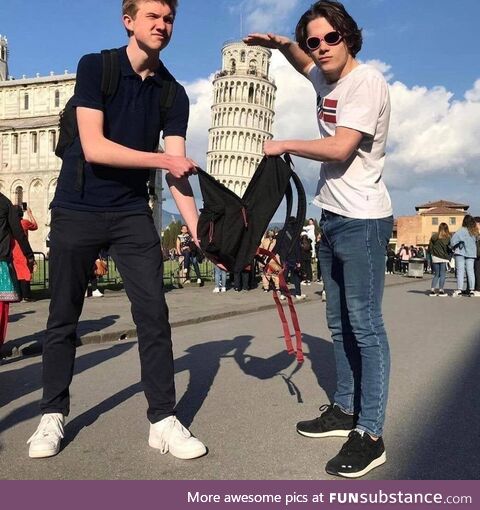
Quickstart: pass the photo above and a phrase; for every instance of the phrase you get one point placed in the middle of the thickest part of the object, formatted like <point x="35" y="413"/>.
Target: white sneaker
<point x="199" y="281"/>
<point x="45" y="442"/>
<point x="301" y="296"/>
<point x="224" y="289"/>
<point x="97" y="293"/>
<point x="456" y="293"/>
<point x="169" y="435"/>
<point x="475" y="293"/>
<point x="282" y="297"/>
<point x="215" y="290"/>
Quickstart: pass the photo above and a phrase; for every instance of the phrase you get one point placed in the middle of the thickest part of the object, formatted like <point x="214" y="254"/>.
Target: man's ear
<point x="128" y="22"/>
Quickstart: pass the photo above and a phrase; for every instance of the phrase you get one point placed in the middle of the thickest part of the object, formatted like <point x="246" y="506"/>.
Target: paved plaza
<point x="241" y="394"/>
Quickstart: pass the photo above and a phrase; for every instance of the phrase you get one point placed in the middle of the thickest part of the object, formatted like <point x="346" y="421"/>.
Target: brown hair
<point x="443" y="232"/>
<point x="338" y="17"/>
<point x="470" y="224"/>
<point x="130" y="7"/>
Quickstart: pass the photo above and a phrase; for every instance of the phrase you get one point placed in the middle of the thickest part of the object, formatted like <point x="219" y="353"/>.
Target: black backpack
<point x="110" y="79"/>
<point x="230" y="228"/>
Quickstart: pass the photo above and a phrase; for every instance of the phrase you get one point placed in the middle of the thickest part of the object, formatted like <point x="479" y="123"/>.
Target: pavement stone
<point x="109" y="318"/>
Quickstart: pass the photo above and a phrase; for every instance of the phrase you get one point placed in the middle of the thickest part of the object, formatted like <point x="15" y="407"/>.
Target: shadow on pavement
<point x="202" y="361"/>
<point x="19" y="382"/>
<point x="445" y="445"/>
<point x="15" y="317"/>
<point x="31" y="345"/>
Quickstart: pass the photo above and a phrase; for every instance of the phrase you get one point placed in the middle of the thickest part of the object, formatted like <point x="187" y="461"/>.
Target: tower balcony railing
<point x="243" y="72"/>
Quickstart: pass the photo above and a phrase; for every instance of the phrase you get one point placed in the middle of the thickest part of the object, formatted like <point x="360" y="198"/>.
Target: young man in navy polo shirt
<point x="119" y="138"/>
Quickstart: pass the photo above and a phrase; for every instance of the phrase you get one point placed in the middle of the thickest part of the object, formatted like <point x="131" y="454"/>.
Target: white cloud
<point x="432" y="134"/>
<point x="473" y="94"/>
<point x="267" y="15"/>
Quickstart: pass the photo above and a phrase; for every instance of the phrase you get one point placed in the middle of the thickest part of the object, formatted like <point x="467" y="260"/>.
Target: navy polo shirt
<point x="132" y="119"/>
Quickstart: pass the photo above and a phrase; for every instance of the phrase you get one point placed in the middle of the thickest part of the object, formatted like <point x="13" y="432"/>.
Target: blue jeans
<point x="352" y="256"/>
<point x="439" y="275"/>
<point x="462" y="263"/>
<point x="220" y="277"/>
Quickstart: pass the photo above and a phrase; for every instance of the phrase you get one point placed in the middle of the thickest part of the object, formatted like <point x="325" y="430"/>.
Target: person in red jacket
<point x="9" y="226"/>
<point x="24" y="275"/>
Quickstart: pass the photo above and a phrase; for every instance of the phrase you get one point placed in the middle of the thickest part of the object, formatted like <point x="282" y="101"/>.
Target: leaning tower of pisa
<point x="242" y="114"/>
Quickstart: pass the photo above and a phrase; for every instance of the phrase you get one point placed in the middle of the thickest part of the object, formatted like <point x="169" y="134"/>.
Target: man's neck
<point x="143" y="62"/>
<point x="349" y="66"/>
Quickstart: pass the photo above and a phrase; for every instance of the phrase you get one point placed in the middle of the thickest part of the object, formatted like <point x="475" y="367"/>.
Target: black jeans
<point x="76" y="238"/>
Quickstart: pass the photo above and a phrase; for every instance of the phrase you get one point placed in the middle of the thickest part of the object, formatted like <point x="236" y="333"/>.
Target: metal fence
<point x="173" y="274"/>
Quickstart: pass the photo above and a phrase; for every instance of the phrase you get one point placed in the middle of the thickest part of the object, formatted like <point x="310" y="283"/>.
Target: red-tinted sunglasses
<point x="331" y="39"/>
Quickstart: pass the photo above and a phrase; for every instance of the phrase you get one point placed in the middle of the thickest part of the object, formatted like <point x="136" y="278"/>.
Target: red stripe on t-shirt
<point x="330" y="118"/>
<point x="330" y="103"/>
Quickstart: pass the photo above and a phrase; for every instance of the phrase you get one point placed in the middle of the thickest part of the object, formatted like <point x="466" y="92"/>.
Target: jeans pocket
<point x="384" y="227"/>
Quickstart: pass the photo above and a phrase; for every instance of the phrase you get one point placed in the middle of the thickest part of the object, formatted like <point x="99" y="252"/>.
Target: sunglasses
<point x="331" y="39"/>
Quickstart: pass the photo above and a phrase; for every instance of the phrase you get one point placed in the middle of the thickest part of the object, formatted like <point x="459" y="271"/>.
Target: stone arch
<point x="18" y="192"/>
<point x="251" y="93"/>
<point x="241" y="141"/>
<point x="245" y="167"/>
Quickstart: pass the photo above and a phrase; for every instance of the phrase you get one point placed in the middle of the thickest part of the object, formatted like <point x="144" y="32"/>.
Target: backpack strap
<point x="290" y="235"/>
<point x="110" y="80"/>
<point x="167" y="97"/>
<point x="110" y="72"/>
<point x="269" y="255"/>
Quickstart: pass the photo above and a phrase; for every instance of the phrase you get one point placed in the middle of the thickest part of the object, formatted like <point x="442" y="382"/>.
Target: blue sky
<point x="429" y="49"/>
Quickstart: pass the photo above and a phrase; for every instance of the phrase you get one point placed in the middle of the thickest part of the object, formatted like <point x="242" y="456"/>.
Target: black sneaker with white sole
<point x="333" y="422"/>
<point x="358" y="456"/>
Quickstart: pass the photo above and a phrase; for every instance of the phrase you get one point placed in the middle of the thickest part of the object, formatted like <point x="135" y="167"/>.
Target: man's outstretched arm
<point x="180" y="187"/>
<point x="102" y="151"/>
<point x="289" y="49"/>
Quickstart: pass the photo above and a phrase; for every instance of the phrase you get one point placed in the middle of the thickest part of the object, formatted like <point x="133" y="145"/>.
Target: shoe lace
<point x="50" y="427"/>
<point x="325" y="408"/>
<point x="173" y="424"/>
<point x="354" y="445"/>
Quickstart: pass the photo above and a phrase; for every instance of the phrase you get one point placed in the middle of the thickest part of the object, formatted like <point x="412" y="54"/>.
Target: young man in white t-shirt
<point x="353" y="111"/>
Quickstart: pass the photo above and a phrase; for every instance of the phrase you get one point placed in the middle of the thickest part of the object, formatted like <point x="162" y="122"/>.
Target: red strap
<point x="293" y="314"/>
<point x="283" y="318"/>
<point x="286" y="292"/>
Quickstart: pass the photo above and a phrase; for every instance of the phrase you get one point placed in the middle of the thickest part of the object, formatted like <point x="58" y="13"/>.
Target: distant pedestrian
<point x="309" y="229"/>
<point x="268" y="278"/>
<point x="187" y="249"/>
<point x="439" y="249"/>
<point x="306" y="251"/>
<point x="390" y="260"/>
<point x="20" y="263"/>
<point x="404" y="255"/>
<point x="220" y="280"/>
<point x="10" y="228"/>
<point x="464" y="246"/>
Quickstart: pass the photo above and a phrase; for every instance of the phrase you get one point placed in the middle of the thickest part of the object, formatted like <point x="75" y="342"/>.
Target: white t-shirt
<point x="360" y="101"/>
